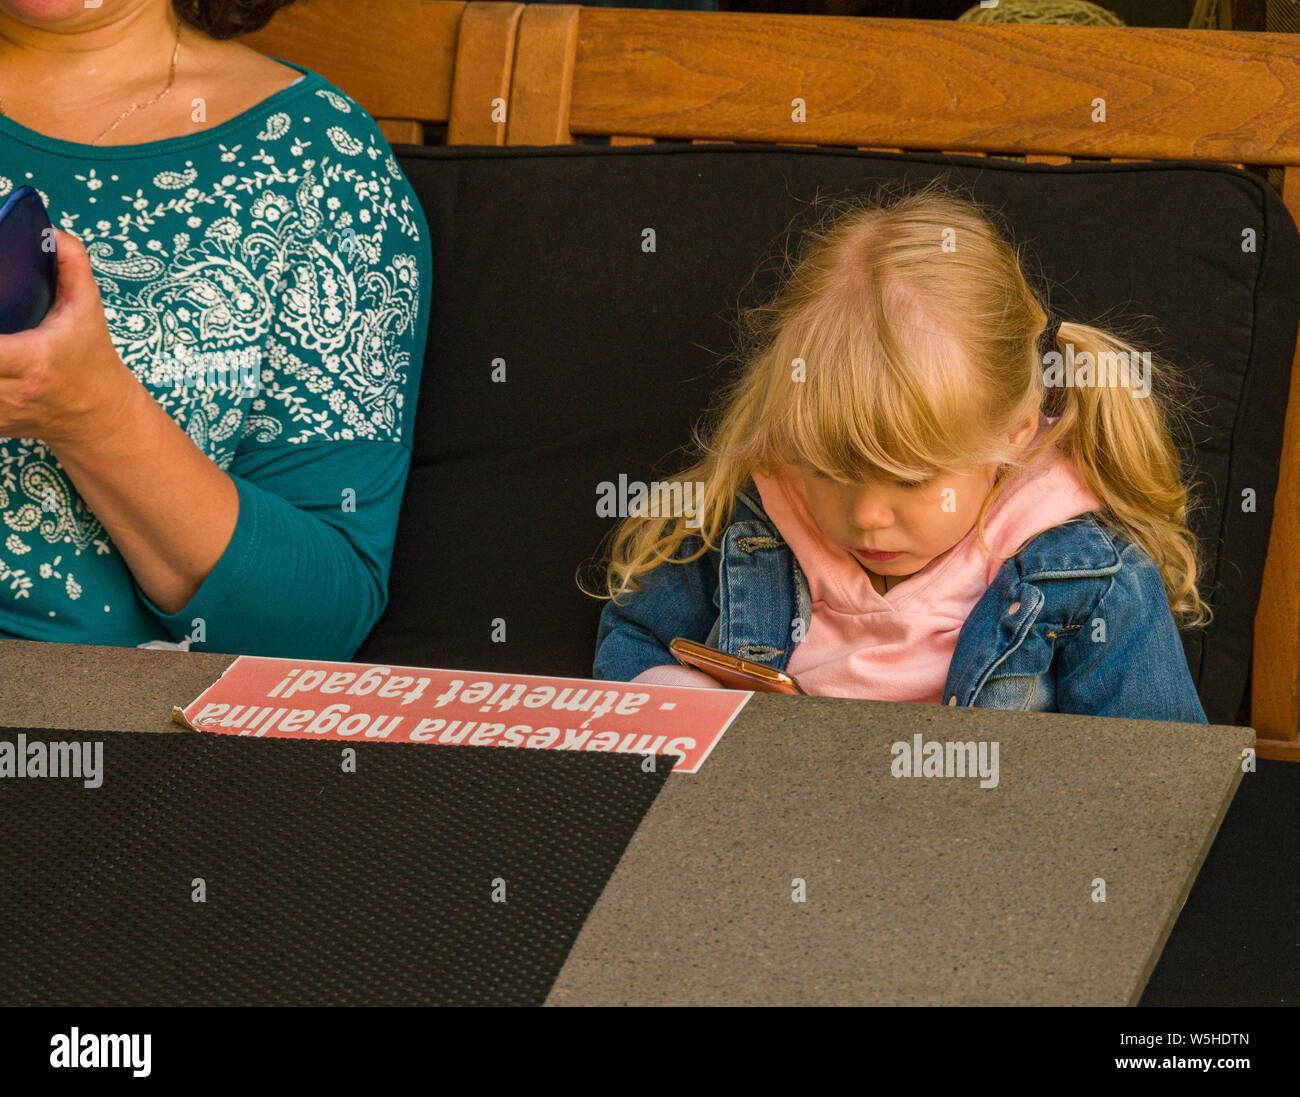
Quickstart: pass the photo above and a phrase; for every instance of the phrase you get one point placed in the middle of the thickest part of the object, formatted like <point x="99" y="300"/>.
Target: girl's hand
<point x="64" y="379"/>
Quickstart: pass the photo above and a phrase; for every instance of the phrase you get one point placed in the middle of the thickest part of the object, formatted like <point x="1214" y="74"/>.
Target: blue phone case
<point x="28" y="274"/>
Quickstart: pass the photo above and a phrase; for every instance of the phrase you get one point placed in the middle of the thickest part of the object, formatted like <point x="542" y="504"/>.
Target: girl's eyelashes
<point x="906" y="484"/>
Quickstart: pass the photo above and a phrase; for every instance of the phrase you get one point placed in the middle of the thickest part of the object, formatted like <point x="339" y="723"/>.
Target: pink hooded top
<point x="897" y="646"/>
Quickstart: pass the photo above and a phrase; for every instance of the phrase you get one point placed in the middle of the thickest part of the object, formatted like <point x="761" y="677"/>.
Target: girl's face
<point x="917" y="521"/>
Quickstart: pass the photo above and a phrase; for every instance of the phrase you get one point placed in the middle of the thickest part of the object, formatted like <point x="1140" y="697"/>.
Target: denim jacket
<point x="1076" y="622"/>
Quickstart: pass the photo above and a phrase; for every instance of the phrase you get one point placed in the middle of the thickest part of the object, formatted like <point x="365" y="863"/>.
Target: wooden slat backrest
<point x="1047" y="93"/>
<point x="394" y="57"/>
<point x="485" y="57"/>
<point x="915" y="84"/>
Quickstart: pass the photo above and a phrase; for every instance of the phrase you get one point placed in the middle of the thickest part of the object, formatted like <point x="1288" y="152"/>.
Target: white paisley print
<point x="264" y="286"/>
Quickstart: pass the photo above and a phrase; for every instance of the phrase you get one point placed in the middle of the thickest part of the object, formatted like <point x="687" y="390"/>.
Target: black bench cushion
<point x="611" y="352"/>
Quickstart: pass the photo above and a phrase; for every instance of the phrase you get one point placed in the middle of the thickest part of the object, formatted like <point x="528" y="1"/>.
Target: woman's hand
<point x="64" y="379"/>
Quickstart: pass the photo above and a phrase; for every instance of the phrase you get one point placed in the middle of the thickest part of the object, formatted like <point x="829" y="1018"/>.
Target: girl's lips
<point x="879" y="557"/>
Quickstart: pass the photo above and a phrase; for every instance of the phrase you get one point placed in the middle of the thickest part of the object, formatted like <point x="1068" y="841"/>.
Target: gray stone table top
<point x="915" y="890"/>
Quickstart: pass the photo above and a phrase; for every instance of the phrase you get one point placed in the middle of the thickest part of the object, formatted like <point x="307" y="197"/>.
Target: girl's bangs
<point x="857" y="424"/>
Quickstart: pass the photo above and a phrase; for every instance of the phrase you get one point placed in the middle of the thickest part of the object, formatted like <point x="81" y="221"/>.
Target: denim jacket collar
<point x="755" y="559"/>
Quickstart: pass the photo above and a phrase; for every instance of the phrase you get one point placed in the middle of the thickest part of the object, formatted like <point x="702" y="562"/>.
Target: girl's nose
<point x="868" y="511"/>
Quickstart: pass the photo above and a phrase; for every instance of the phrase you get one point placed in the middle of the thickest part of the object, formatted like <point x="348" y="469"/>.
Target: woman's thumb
<point x="73" y="268"/>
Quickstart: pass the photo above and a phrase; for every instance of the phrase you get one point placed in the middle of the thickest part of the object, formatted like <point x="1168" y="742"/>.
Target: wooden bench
<point x="563" y="73"/>
<point x="428" y="71"/>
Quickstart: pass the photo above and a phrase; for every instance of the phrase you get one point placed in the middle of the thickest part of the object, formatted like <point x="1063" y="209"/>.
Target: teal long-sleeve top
<point x="268" y="280"/>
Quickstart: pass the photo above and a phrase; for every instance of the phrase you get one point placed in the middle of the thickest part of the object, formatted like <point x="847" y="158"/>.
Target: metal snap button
<point x="1013" y="607"/>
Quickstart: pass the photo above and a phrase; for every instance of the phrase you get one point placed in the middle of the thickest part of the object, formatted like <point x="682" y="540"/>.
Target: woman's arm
<point x="168" y="509"/>
<point x="289" y="555"/>
<point x="306" y="573"/>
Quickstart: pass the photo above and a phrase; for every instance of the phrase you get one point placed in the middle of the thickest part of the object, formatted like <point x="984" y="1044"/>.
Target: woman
<point x="207" y="437"/>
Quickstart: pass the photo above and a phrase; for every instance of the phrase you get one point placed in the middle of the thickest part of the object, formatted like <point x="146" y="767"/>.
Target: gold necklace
<point x="139" y="106"/>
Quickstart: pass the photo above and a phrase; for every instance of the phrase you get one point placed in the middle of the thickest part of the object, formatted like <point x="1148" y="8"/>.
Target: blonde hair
<point x="904" y="341"/>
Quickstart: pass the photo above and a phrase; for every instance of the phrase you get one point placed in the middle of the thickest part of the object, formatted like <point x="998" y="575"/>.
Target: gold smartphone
<point x="730" y="671"/>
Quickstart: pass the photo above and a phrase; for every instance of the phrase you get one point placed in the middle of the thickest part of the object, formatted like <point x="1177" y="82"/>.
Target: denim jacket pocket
<point x="1023" y="680"/>
<point x="1022" y="692"/>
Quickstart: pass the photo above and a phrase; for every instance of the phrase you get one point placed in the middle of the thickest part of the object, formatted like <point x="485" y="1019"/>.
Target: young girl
<point x="924" y="488"/>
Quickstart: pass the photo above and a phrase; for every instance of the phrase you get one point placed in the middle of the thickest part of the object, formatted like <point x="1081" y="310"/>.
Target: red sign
<point x="307" y="699"/>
